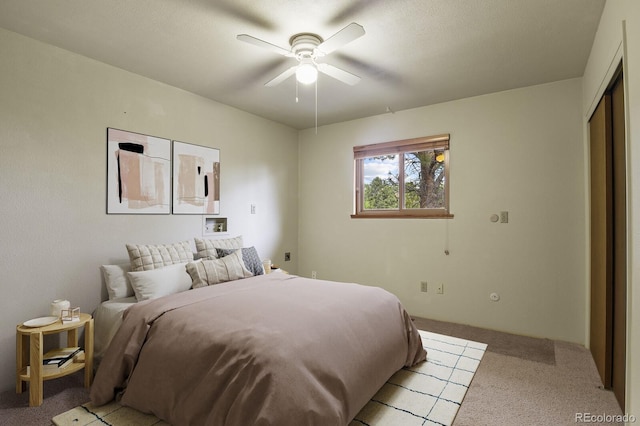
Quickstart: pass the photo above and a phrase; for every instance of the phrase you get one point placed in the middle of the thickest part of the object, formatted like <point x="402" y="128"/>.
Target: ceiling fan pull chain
<point x="316" y="107"/>
<point x="296" y="91"/>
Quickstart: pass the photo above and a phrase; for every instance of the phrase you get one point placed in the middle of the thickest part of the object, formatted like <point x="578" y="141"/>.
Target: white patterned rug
<point x="429" y="393"/>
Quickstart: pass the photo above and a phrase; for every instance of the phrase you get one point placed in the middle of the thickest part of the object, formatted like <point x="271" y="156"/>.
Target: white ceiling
<point x="414" y="52"/>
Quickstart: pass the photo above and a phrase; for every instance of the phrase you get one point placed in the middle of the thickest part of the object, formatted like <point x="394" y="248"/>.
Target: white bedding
<point x="107" y="319"/>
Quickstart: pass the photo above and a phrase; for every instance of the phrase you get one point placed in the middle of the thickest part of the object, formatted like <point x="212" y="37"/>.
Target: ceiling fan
<point x="306" y="48"/>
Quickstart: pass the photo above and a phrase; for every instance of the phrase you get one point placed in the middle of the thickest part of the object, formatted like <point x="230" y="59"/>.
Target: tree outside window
<point x="407" y="178"/>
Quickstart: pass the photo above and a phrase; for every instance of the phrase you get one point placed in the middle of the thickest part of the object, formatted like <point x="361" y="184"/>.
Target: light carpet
<point x="429" y="393"/>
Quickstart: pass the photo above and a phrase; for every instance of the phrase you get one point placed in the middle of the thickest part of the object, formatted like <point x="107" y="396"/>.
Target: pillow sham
<point x="148" y="257"/>
<point x="207" y="248"/>
<point x="160" y="281"/>
<point x="116" y="280"/>
<point x="215" y="271"/>
<point x="249" y="256"/>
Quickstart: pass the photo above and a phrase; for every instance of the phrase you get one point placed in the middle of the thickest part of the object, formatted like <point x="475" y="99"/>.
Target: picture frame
<point x="196" y="179"/>
<point x="138" y="173"/>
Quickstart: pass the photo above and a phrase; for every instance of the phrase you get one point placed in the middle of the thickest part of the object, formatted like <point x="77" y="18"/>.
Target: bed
<point x="272" y="349"/>
<point x="107" y="319"/>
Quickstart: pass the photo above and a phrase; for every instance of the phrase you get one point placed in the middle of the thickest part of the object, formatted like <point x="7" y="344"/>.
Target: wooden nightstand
<point x="29" y="353"/>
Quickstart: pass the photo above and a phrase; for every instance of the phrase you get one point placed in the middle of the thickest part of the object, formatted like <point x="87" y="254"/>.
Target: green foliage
<point x="423" y="187"/>
<point x="381" y="194"/>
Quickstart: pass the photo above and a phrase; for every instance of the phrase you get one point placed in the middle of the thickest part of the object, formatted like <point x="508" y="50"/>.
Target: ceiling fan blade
<point x="339" y="74"/>
<point x="342" y="37"/>
<point x="351" y="9"/>
<point x="243" y="13"/>
<point x="281" y="77"/>
<point x="370" y="69"/>
<point x="261" y="43"/>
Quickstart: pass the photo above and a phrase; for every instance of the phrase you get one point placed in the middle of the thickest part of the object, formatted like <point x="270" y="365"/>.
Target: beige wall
<point x="519" y="151"/>
<point x="55" y="108"/>
<point x="618" y="37"/>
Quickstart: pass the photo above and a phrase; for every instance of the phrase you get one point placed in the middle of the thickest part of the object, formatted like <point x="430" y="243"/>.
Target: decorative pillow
<point x="207" y="248"/>
<point x="249" y="256"/>
<point x="148" y="257"/>
<point x="215" y="271"/>
<point x="160" y="281"/>
<point x="116" y="280"/>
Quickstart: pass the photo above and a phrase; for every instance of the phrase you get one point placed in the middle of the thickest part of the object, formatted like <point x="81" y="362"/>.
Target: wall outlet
<point x="423" y="286"/>
<point x="253" y="209"/>
<point x="440" y="288"/>
<point x="287" y="256"/>
<point x="314" y="275"/>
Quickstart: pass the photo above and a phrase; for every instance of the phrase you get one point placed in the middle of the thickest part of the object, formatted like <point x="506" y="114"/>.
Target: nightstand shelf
<point x="29" y="352"/>
<point x="48" y="375"/>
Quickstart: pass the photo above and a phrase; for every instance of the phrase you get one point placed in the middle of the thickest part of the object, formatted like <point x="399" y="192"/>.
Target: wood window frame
<point x="440" y="142"/>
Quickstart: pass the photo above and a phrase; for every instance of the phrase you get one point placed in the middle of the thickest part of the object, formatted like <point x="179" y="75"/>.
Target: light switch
<point x="504" y="217"/>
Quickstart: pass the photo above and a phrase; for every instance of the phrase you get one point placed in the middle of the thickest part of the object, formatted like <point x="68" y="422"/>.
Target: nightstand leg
<point x="21" y="361"/>
<point x="72" y="337"/>
<point x="88" y="353"/>
<point x="35" y="370"/>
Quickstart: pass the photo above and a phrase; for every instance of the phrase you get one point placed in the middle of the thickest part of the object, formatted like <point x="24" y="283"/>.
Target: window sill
<point x="401" y="215"/>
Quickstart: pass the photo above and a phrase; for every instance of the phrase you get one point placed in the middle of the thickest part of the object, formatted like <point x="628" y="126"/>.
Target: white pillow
<point x="214" y="271"/>
<point x="160" y="282"/>
<point x="116" y="280"/>
<point x="148" y="257"/>
<point x="207" y="248"/>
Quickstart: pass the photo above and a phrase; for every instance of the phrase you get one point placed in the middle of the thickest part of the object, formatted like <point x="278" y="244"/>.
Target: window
<point x="407" y="178"/>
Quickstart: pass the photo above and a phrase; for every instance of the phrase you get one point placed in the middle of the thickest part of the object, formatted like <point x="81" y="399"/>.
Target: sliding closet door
<point x="619" y="349"/>
<point x="609" y="239"/>
<point x="601" y="239"/>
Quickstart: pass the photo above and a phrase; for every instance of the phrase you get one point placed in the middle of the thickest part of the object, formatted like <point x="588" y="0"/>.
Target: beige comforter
<point x="269" y="350"/>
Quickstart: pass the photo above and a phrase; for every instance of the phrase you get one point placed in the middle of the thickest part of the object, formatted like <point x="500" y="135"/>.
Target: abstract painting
<point x="196" y="179"/>
<point x="138" y="173"/>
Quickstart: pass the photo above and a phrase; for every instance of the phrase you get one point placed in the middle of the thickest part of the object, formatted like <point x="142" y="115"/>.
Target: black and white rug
<point x="429" y="393"/>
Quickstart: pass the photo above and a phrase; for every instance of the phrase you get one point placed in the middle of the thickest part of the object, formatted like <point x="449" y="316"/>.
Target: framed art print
<point x="138" y="173"/>
<point x="196" y="179"/>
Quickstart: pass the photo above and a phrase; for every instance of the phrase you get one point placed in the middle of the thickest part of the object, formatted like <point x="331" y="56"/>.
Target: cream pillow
<point x="148" y="257"/>
<point x="160" y="282"/>
<point x="215" y="271"/>
<point x="116" y="280"/>
<point x="249" y="257"/>
<point x="207" y="248"/>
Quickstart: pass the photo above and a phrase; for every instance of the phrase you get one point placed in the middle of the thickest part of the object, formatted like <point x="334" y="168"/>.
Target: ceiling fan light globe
<point x="306" y="74"/>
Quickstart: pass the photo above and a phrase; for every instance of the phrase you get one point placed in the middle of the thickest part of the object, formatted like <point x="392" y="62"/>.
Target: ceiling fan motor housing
<point x="304" y="45"/>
